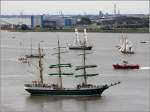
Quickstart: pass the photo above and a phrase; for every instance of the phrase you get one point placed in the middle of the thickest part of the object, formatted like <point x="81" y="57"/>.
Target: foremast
<point x="59" y="66"/>
<point x="84" y="67"/>
<point x="77" y="41"/>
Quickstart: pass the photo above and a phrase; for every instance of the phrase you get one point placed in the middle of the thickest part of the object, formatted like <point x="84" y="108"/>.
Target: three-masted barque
<point x="83" y="89"/>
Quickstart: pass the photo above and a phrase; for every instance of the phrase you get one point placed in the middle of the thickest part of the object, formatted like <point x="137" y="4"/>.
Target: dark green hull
<point x="68" y="92"/>
<point x="80" y="48"/>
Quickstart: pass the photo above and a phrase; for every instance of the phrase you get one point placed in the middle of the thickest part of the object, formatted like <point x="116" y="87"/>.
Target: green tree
<point x="85" y="21"/>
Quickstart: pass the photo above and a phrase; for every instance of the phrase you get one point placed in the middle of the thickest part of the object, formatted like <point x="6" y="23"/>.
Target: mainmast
<point x="86" y="39"/>
<point x="40" y="65"/>
<point x="84" y="67"/>
<point x="60" y="65"/>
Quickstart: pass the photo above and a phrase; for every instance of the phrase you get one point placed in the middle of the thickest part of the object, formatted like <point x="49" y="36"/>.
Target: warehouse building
<point x="42" y="21"/>
<point x="37" y="21"/>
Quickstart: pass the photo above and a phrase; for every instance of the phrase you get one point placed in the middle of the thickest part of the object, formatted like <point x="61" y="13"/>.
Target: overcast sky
<point x="74" y="7"/>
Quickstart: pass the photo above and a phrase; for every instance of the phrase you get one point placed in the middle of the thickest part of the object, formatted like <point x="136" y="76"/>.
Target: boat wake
<point x="13" y="59"/>
<point x="144" y="68"/>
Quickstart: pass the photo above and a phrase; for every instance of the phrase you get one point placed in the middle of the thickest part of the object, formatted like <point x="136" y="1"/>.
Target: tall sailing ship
<point x="78" y="44"/>
<point x="84" y="89"/>
<point x="126" y="46"/>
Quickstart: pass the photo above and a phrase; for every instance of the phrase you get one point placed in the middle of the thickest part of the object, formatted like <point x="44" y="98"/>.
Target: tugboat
<point x="126" y="46"/>
<point x="126" y="65"/>
<point x="78" y="45"/>
<point x="84" y="89"/>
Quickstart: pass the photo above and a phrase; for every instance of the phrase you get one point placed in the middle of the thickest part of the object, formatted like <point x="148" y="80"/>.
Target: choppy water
<point x="131" y="95"/>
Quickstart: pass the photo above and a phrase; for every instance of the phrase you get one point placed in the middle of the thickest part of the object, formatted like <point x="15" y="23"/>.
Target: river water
<point x="132" y="95"/>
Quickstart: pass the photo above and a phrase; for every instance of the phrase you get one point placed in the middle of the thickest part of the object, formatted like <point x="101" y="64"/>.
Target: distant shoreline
<point x="128" y="30"/>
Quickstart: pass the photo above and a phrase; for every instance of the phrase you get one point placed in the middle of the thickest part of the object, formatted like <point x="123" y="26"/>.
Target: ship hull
<point x="127" y="52"/>
<point x="117" y="66"/>
<point x="80" y="48"/>
<point x="67" y="92"/>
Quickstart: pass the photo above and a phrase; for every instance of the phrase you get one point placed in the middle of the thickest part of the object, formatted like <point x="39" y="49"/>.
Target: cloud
<point x="72" y="7"/>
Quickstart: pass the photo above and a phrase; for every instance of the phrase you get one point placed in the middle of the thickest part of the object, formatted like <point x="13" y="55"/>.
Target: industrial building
<point x="12" y="21"/>
<point x="33" y="21"/>
<point x="36" y="21"/>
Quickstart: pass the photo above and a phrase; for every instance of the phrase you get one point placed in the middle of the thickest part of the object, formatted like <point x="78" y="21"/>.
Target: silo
<point x="36" y="20"/>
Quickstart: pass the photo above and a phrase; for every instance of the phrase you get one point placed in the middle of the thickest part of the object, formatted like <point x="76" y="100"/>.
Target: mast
<point x="125" y="49"/>
<point x="84" y="70"/>
<point x="40" y="65"/>
<point x="122" y="40"/>
<point x="59" y="67"/>
<point x="77" y="40"/>
<point x="31" y="46"/>
<point x="86" y="39"/>
<point x="84" y="67"/>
